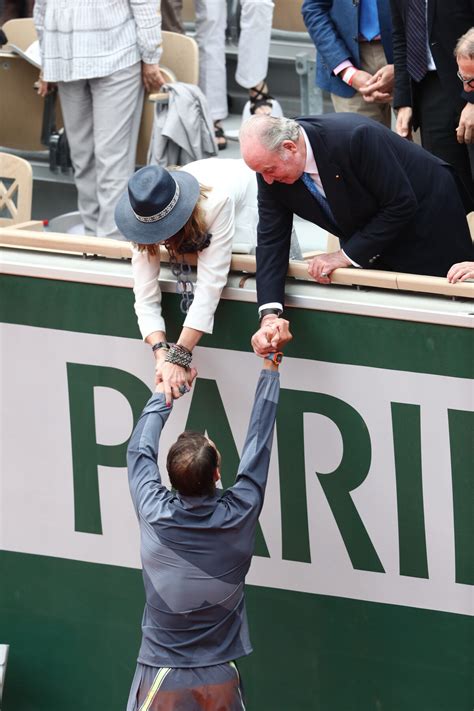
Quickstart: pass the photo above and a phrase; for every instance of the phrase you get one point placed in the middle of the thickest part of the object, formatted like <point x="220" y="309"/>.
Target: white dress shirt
<point x="231" y="216"/>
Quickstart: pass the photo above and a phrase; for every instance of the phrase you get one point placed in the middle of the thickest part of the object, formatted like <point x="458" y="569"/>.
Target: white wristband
<point x="348" y="74"/>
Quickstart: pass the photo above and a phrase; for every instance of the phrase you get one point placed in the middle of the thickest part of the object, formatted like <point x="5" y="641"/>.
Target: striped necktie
<point x="319" y="197"/>
<point x="417" y="39"/>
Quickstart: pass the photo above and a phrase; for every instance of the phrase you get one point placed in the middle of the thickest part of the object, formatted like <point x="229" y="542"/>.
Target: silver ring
<point x="183" y="389"/>
<point x="323" y="274"/>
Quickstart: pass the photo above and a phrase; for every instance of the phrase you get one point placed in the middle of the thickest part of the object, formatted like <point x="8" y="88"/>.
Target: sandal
<point x="219" y="134"/>
<point x="260" y="99"/>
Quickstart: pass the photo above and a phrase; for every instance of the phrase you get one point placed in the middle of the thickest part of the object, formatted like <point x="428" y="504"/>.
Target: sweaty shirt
<point x="196" y="551"/>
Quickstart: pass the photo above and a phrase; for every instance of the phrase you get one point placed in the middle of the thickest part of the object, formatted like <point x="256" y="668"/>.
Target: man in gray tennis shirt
<point x="196" y="548"/>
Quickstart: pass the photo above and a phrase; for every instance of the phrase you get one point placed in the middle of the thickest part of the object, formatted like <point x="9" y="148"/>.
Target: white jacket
<point x="231" y="215"/>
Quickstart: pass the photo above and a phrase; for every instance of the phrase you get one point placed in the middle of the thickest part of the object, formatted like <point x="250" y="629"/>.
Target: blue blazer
<point x="396" y="206"/>
<point x="334" y="29"/>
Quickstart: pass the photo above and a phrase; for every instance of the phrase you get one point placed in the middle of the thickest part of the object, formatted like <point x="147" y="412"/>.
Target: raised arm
<point x="253" y="469"/>
<point x="144" y="477"/>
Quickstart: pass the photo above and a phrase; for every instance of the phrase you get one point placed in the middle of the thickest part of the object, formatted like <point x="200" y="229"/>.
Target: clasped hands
<point x="175" y="381"/>
<point x="171" y="379"/>
<point x="273" y="335"/>
<point x="376" y="88"/>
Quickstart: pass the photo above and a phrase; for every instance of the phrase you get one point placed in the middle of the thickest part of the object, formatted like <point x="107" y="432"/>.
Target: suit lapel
<point x="332" y="178"/>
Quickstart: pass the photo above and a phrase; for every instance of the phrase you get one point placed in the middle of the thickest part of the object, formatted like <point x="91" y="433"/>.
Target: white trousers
<point x="254" y="46"/>
<point x="102" y="120"/>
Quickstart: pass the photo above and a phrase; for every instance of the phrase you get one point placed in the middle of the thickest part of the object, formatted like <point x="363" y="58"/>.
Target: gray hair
<point x="279" y="130"/>
<point x="271" y="131"/>
<point x="465" y="45"/>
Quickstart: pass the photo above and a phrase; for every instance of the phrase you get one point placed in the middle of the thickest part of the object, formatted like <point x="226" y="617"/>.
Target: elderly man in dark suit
<point x="392" y="204"/>
<point x="427" y="92"/>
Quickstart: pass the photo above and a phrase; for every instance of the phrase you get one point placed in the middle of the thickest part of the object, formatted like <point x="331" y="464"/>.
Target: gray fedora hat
<point x="156" y="204"/>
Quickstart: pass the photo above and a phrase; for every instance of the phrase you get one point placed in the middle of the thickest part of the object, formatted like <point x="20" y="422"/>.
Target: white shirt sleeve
<point x="38" y="18"/>
<point x="146" y="14"/>
<point x="146" y="270"/>
<point x="213" y="267"/>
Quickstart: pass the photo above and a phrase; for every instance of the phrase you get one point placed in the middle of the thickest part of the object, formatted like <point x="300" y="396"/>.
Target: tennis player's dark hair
<point x="191" y="464"/>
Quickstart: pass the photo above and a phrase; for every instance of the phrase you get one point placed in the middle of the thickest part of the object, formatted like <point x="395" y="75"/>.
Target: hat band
<point x="163" y="213"/>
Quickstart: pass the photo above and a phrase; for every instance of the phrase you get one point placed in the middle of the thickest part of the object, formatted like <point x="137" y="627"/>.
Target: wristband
<point x="348" y="75"/>
<point x="268" y="312"/>
<point x="160" y="344"/>
<point x="275" y="358"/>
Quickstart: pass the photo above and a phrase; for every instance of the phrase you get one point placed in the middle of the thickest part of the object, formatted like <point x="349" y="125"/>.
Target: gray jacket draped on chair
<point x="182" y="129"/>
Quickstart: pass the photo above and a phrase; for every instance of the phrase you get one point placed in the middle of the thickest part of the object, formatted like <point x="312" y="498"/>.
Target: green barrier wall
<point x="361" y="596"/>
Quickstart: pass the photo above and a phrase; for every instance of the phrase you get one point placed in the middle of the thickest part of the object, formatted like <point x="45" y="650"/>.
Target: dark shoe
<point x="219" y="134"/>
<point x="260" y="100"/>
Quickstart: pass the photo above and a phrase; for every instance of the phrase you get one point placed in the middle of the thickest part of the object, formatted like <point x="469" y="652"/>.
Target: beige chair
<point x="181" y="58"/>
<point x="287" y="16"/>
<point x="21" y="109"/>
<point x="16" y="190"/>
<point x="20" y="32"/>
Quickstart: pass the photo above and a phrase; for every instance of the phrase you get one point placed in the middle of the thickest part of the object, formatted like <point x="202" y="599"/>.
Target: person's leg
<point x="372" y="58"/>
<point x="211" y="17"/>
<point x="171" y="16"/>
<point x="117" y="108"/>
<point x="254" y="42"/>
<point x="438" y="115"/>
<point x="76" y="106"/>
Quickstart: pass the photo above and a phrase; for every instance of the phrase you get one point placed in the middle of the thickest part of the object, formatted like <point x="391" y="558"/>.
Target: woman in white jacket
<point x="207" y="207"/>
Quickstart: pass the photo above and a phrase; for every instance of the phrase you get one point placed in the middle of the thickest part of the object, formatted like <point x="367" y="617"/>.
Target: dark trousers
<point x="437" y="114"/>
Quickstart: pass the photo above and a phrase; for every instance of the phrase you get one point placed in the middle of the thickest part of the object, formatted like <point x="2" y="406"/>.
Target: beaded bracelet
<point x="179" y="355"/>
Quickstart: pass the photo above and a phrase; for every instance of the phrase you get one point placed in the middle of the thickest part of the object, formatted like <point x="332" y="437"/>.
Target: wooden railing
<point x="30" y="235"/>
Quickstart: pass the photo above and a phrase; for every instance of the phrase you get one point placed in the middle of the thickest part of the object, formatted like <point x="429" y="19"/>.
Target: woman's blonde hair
<point x="191" y="235"/>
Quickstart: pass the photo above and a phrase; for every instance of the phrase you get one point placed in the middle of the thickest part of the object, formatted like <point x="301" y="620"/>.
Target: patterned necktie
<point x="417" y="39"/>
<point x="369" y="26"/>
<point x="309" y="182"/>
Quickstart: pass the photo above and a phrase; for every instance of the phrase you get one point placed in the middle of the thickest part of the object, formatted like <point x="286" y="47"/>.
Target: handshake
<point x="273" y="335"/>
<point x="175" y="381"/>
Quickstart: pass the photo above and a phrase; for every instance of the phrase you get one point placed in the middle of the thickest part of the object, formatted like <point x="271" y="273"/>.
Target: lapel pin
<point x="338" y="176"/>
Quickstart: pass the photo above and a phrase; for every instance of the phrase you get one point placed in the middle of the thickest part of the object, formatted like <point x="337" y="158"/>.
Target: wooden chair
<point x="16" y="190"/>
<point x="180" y="57"/>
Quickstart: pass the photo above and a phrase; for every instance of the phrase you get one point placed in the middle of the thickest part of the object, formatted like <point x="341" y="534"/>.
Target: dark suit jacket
<point x="447" y="21"/>
<point x="396" y="206"/>
<point x="334" y="29"/>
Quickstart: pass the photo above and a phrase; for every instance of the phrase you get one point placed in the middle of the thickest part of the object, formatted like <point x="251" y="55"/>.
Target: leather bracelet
<point x="159" y="345"/>
<point x="268" y="312"/>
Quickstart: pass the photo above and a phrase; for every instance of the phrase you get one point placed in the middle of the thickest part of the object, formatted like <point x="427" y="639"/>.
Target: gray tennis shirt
<point x="196" y="551"/>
